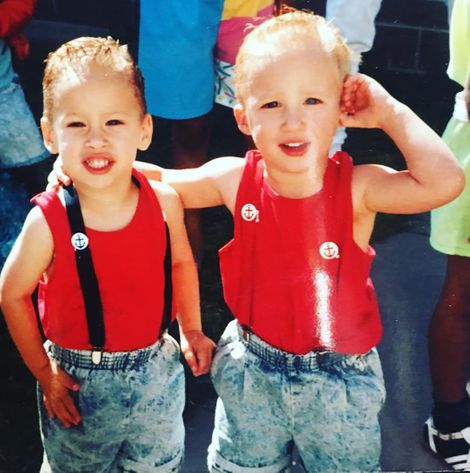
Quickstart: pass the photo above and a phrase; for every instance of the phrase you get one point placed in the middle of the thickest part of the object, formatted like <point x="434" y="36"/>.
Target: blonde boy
<point x="111" y="387"/>
<point x="298" y="364"/>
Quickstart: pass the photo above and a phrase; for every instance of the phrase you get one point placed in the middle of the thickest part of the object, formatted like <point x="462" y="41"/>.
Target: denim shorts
<point x="325" y="404"/>
<point x="131" y="406"/>
<point x="20" y="141"/>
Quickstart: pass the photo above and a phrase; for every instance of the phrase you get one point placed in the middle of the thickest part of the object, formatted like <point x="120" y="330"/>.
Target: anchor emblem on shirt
<point x="79" y="241"/>
<point x="329" y="250"/>
<point x="250" y="212"/>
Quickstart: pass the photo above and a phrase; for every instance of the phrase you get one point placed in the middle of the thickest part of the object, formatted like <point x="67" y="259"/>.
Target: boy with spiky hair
<point x="106" y="252"/>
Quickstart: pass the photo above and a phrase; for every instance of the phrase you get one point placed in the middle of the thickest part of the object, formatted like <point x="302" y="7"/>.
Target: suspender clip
<point x="96" y="355"/>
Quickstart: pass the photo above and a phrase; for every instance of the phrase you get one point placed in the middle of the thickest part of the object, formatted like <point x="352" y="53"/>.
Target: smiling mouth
<point x="294" y="148"/>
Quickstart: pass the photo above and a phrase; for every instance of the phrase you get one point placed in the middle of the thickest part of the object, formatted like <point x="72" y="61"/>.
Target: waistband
<point x="102" y="360"/>
<point x="280" y="359"/>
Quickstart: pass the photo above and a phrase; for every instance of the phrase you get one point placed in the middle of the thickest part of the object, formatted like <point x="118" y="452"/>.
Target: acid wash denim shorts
<point x="20" y="141"/>
<point x="325" y="404"/>
<point x="131" y="406"/>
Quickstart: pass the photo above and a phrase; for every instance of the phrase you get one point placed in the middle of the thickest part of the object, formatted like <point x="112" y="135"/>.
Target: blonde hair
<point x="292" y="30"/>
<point x="77" y="56"/>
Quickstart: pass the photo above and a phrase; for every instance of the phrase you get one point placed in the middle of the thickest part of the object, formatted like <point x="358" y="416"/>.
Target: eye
<point x="75" y="124"/>
<point x="272" y="104"/>
<point x="312" y="101"/>
<point x="114" y="122"/>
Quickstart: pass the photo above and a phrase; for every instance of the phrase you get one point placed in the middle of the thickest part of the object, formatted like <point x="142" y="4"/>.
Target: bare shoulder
<point x="167" y="197"/>
<point x="36" y="227"/>
<point x="32" y="254"/>
<point x="227" y="173"/>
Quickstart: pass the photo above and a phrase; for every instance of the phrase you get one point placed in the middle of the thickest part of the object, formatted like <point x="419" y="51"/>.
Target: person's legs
<point x="447" y="432"/>
<point x="155" y="436"/>
<point x="94" y="443"/>
<point x="252" y="429"/>
<point x="22" y="151"/>
<point x="114" y="401"/>
<point x="449" y="334"/>
<point x="336" y="415"/>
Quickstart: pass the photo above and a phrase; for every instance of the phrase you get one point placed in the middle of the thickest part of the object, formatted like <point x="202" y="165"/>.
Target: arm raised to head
<point x="433" y="176"/>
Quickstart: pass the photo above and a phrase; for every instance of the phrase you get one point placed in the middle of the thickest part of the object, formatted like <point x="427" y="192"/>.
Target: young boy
<point x="111" y="386"/>
<point x="298" y="365"/>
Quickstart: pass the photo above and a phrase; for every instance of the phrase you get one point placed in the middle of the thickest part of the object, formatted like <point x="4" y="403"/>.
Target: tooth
<point x="98" y="163"/>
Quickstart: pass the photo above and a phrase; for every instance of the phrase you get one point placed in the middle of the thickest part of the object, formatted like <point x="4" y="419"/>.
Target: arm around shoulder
<point x="214" y="183"/>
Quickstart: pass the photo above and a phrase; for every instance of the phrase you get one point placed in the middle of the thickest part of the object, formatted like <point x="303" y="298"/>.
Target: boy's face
<point x="291" y="108"/>
<point x="96" y="127"/>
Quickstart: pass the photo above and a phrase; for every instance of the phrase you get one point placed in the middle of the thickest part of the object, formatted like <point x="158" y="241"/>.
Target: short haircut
<point x="292" y="30"/>
<point x="78" y="55"/>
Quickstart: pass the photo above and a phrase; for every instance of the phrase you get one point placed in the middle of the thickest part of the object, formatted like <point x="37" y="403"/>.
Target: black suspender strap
<point x="86" y="273"/>
<point x="89" y="282"/>
<point x="168" y="289"/>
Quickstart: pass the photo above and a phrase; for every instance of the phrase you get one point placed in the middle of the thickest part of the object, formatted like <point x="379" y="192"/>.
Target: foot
<point x="453" y="448"/>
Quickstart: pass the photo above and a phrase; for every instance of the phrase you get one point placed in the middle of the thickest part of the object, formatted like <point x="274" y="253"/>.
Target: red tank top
<point x="129" y="268"/>
<point x="293" y="272"/>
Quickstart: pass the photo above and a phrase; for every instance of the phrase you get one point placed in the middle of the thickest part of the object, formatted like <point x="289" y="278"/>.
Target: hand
<point x="197" y="350"/>
<point x="365" y="103"/>
<point x="56" y="177"/>
<point x="58" y="402"/>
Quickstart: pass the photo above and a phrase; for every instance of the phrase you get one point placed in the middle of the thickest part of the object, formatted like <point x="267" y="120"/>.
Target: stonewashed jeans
<point x="326" y="405"/>
<point x="131" y="406"/>
<point x="20" y="141"/>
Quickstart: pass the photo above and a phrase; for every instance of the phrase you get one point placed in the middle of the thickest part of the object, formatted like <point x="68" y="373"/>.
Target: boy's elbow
<point x="454" y="186"/>
<point x="458" y="184"/>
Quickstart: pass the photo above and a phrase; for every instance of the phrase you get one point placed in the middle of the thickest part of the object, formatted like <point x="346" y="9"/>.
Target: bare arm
<point x="29" y="258"/>
<point x="196" y="347"/>
<point x="433" y="177"/>
<point x="214" y="183"/>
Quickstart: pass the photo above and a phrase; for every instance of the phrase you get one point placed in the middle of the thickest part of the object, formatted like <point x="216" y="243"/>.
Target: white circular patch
<point x="329" y="250"/>
<point x="249" y="213"/>
<point x="79" y="241"/>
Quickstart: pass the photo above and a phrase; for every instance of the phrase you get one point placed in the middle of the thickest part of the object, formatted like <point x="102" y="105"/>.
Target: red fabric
<point x="14" y="15"/>
<point x="129" y="268"/>
<point x="276" y="280"/>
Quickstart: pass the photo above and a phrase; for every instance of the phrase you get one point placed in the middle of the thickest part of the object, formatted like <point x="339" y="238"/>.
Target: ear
<point x="241" y="119"/>
<point x="48" y="136"/>
<point x="146" y="133"/>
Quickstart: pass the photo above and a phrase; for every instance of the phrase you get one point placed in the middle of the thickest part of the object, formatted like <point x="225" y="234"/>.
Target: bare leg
<point x="449" y="333"/>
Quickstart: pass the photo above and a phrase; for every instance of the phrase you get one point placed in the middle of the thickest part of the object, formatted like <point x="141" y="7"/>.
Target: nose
<point x="96" y="137"/>
<point x="293" y="118"/>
